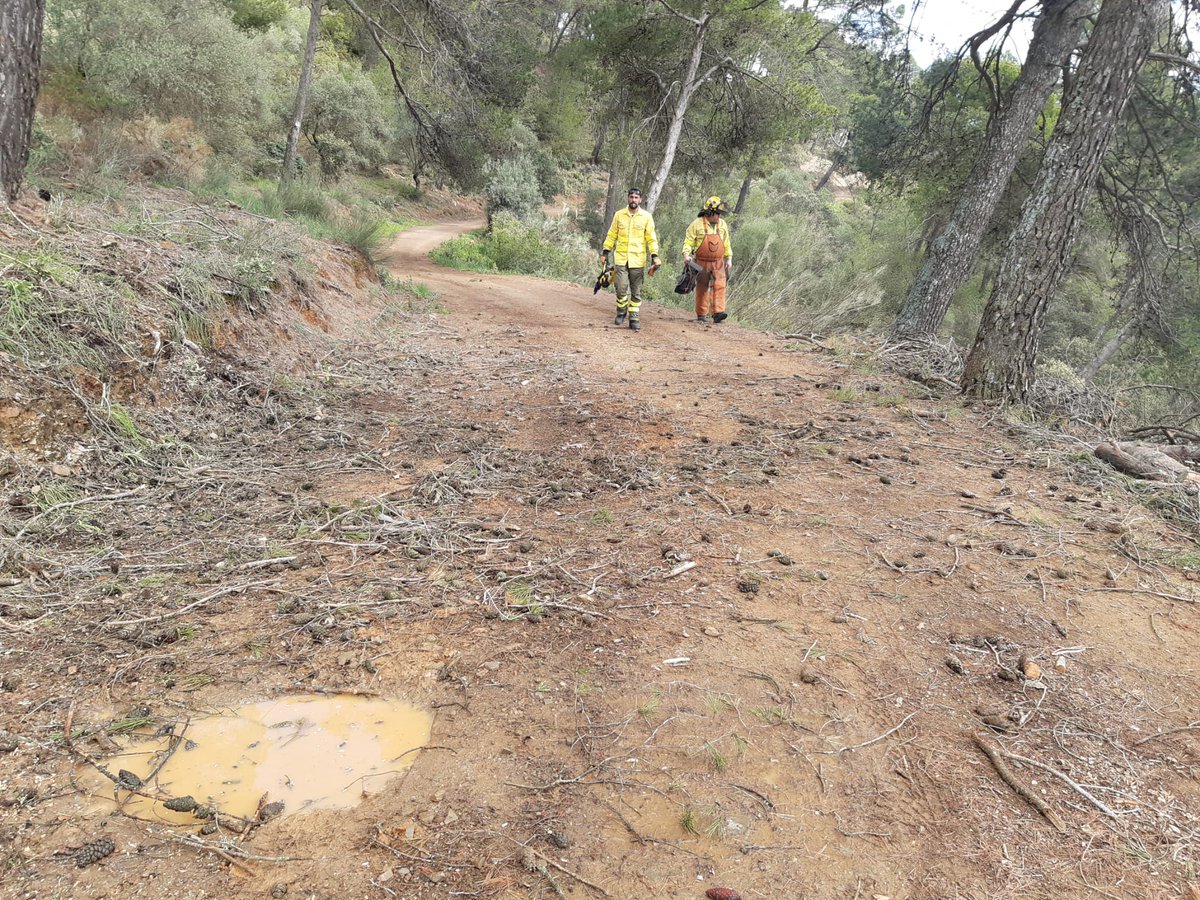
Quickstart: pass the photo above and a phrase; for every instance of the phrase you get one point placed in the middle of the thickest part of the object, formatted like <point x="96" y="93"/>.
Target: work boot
<point x="620" y="319"/>
<point x="720" y="317"/>
<point x="635" y="323"/>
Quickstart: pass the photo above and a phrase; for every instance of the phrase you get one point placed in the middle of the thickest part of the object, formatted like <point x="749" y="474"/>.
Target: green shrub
<point x="466" y="253"/>
<point x="547" y="249"/>
<point x="512" y="186"/>
<point x="303" y="199"/>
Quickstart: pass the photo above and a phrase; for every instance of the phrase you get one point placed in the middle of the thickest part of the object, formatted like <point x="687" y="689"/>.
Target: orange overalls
<point x="710" y="256"/>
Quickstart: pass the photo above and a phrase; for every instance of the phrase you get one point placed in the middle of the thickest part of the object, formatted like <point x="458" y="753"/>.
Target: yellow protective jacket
<point x="699" y="228"/>
<point x="632" y="237"/>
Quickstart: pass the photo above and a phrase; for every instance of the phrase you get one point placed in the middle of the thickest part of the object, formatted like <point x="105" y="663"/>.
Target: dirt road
<point x="691" y="607"/>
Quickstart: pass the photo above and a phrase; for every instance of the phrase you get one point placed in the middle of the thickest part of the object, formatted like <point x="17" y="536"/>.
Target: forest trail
<point x="691" y="607"/>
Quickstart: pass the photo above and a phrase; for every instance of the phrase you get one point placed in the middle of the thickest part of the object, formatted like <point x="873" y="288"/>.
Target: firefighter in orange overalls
<point x="707" y="240"/>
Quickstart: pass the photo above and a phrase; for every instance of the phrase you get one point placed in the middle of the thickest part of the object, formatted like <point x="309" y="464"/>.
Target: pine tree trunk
<point x="687" y="88"/>
<point x="1001" y="363"/>
<point x="310" y="52"/>
<point x="952" y="254"/>
<point x="20" y="60"/>
<point x="743" y="194"/>
<point x="601" y="137"/>
<point x="1110" y="348"/>
<point x="838" y="159"/>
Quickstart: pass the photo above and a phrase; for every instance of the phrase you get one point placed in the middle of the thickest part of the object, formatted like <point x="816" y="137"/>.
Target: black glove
<point x="604" y="256"/>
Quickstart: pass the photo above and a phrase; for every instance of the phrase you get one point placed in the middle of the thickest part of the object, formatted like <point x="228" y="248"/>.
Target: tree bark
<point x="1109" y="350"/>
<point x="310" y="52"/>
<point x="953" y="252"/>
<point x="687" y="88"/>
<point x="838" y="158"/>
<point x="601" y="137"/>
<point x="743" y="194"/>
<point x="20" y="62"/>
<point x="1038" y="252"/>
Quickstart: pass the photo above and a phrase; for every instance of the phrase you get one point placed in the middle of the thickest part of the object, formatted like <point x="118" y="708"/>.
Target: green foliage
<point x="466" y="253"/>
<point x="547" y="249"/>
<point x="347" y="121"/>
<point x="557" y="107"/>
<point x="512" y="187"/>
<point x="257" y="13"/>
<point x="165" y="58"/>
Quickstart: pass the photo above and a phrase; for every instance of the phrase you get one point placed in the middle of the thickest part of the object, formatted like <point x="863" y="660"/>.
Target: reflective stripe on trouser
<point x="711" y="282"/>
<point x="629" y="289"/>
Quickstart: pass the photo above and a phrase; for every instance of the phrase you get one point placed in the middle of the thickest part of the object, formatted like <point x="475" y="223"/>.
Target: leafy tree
<point x="347" y="122"/>
<point x="167" y="58"/>
<point x="257" y="14"/>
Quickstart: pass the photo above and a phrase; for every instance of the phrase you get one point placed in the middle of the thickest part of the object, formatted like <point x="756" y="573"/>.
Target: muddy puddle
<point x="306" y="752"/>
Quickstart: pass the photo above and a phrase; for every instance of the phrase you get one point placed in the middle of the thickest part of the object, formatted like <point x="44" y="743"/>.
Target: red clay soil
<point x="693" y="607"/>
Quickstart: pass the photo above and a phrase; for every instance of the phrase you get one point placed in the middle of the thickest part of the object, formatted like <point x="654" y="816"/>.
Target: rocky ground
<point x="693" y="607"/>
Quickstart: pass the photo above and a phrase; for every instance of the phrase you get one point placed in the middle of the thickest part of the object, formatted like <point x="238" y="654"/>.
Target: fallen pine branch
<point x="565" y="871"/>
<point x="874" y="740"/>
<point x="1007" y="776"/>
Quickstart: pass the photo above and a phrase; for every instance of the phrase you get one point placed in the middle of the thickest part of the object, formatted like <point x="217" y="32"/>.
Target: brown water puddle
<point x="308" y="752"/>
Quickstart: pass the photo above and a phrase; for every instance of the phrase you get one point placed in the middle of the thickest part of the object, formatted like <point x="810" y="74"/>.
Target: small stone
<point x="969" y="495"/>
<point x="426" y="816"/>
<point x="1030" y="669"/>
<point x="279" y="890"/>
<point x="8" y="742"/>
<point x="271" y="810"/>
<point x="386" y="875"/>
<point x="841" y="619"/>
<point x="492" y="665"/>
<point x="712" y="631"/>
<point x="883" y="479"/>
<point x="589" y="619"/>
<point x="808" y="675"/>
<point x="450" y="818"/>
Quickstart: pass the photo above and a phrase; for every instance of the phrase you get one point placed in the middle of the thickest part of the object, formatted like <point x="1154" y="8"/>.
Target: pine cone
<point x="94" y="851"/>
<point x="722" y="894"/>
<point x="181" y="804"/>
<point x="128" y="779"/>
<point x="203" y="812"/>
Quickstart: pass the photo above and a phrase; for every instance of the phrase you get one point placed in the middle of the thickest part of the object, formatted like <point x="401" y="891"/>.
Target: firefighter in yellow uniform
<point x="707" y="240"/>
<point x="631" y="240"/>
